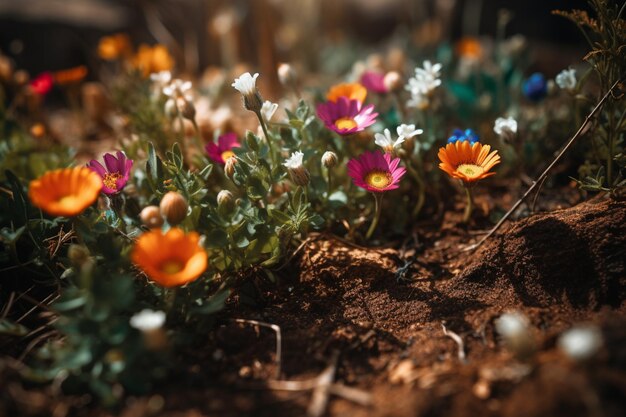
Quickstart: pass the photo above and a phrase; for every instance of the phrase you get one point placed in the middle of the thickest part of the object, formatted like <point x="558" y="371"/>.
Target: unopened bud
<point x="393" y="81"/>
<point x="287" y="75"/>
<point x="225" y="201"/>
<point x="186" y="108"/>
<point x="78" y="254"/>
<point x="151" y="217"/>
<point x="329" y="159"/>
<point x="38" y="130"/>
<point x="300" y="176"/>
<point x="229" y="167"/>
<point x="174" y="207"/>
<point x="253" y="101"/>
<point x="6" y="69"/>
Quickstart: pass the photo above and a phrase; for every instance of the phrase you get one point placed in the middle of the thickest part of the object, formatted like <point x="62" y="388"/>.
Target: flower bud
<point x="287" y="75"/>
<point x="78" y="254"/>
<point x="516" y="331"/>
<point x="329" y="159"/>
<point x="151" y="217"/>
<point x="225" y="201"/>
<point x="6" y="69"/>
<point x="229" y="167"/>
<point x="38" y="130"/>
<point x="298" y="173"/>
<point x="186" y="108"/>
<point x="393" y="81"/>
<point x="174" y="207"/>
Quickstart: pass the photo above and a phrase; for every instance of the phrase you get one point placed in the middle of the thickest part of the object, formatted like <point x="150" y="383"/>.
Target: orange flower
<point x="71" y="75"/>
<point x="150" y="59"/>
<point x="170" y="259"/>
<point x="65" y="192"/>
<point x="469" y="163"/>
<point x="469" y="48"/>
<point x="114" y="47"/>
<point x="352" y="91"/>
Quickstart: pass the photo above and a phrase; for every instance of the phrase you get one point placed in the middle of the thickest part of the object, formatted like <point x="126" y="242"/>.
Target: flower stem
<point x="267" y="136"/>
<point x="467" y="214"/>
<point x="330" y="176"/>
<point x="378" y="198"/>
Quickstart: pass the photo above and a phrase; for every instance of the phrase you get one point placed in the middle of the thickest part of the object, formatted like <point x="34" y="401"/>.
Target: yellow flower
<point x="151" y="59"/>
<point x="114" y="47"/>
<point x="65" y="192"/>
<point x="469" y="163"/>
<point x="171" y="259"/>
<point x="352" y="91"/>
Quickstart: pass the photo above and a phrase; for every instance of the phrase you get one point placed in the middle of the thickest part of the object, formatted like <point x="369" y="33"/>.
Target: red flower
<point x="42" y="84"/>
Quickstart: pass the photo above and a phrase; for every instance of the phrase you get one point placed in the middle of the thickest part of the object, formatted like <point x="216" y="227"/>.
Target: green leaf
<point x="154" y="169"/>
<point x="217" y="238"/>
<point x="213" y="304"/>
<point x="19" y="199"/>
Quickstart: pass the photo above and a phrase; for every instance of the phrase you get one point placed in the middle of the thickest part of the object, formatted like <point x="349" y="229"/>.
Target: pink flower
<point x="346" y="116"/>
<point x="115" y="175"/>
<point x="376" y="172"/>
<point x="42" y="84"/>
<point x="374" y="81"/>
<point x="223" y="150"/>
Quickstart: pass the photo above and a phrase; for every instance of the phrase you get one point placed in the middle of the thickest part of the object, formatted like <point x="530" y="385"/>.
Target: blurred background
<point x="47" y="35"/>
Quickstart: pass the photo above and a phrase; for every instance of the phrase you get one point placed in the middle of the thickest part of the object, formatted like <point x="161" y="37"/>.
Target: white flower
<point x="580" y="343"/>
<point x="408" y="131"/>
<point x="512" y="325"/>
<point x="432" y="70"/>
<point x="162" y="78"/>
<point x="385" y="141"/>
<point x="418" y="101"/>
<point x="177" y="89"/>
<point x="268" y="110"/>
<point x="147" y="320"/>
<point x="246" y="83"/>
<point x="566" y="79"/>
<point x="294" y="161"/>
<point x="505" y="128"/>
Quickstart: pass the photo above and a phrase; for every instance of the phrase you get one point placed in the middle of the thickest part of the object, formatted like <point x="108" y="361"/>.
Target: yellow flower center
<point x="172" y="266"/>
<point x="110" y="180"/>
<point x="226" y="155"/>
<point x="345" y="123"/>
<point x="68" y="200"/>
<point x="378" y="179"/>
<point x="471" y="171"/>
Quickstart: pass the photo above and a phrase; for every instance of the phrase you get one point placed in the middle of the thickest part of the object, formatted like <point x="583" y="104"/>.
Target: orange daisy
<point x="114" y="47"/>
<point x="468" y="162"/>
<point x="65" y="192"/>
<point x="469" y="48"/>
<point x="150" y="59"/>
<point x="352" y="91"/>
<point x="171" y="259"/>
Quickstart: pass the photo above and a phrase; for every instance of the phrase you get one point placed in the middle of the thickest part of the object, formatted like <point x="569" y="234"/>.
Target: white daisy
<point x="147" y="320"/>
<point x="294" y="161"/>
<point x="178" y="88"/>
<point x="246" y="84"/>
<point x="506" y="128"/>
<point x="162" y="78"/>
<point x="385" y="141"/>
<point x="408" y="131"/>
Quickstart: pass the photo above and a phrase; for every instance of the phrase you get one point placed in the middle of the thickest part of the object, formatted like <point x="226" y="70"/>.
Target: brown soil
<point x="353" y="307"/>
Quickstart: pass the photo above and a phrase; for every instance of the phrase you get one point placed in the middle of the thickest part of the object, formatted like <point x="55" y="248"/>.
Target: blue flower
<point x="535" y="88"/>
<point x="459" y="135"/>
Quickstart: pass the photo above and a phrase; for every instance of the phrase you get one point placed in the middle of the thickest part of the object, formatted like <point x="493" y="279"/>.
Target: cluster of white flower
<point x="566" y="79"/>
<point x="506" y="128"/>
<point x="421" y="86"/>
<point x="404" y="132"/>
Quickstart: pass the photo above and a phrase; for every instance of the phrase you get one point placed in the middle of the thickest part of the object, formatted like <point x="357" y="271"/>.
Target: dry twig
<point x="457" y="339"/>
<point x="279" y="340"/>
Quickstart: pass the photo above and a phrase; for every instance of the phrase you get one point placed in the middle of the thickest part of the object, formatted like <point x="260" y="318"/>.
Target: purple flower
<point x="223" y="150"/>
<point x="376" y="172"/>
<point x="115" y="175"/>
<point x="346" y="116"/>
<point x="374" y="81"/>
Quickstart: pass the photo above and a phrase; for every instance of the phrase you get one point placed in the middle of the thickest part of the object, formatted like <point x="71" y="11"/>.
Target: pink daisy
<point x="115" y="175"/>
<point x="223" y="150"/>
<point x="346" y="116"/>
<point x="374" y="81"/>
<point x="376" y="172"/>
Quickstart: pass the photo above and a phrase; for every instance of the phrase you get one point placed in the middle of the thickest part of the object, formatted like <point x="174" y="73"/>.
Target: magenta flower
<point x="223" y="150"/>
<point x="346" y="116"/>
<point x="115" y="175"/>
<point x="374" y="81"/>
<point x="42" y="84"/>
<point x="376" y="172"/>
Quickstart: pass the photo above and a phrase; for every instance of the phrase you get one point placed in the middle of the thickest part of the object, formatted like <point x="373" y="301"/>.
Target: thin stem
<point x="469" y="206"/>
<point x="420" y="187"/>
<point x="378" y="198"/>
<point x="330" y="176"/>
<point x="267" y="136"/>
